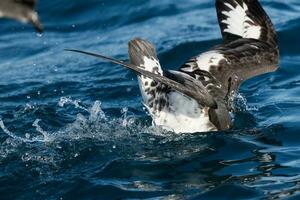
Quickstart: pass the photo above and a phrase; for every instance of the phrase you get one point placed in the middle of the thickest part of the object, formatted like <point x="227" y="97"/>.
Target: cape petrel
<point x="196" y="97"/>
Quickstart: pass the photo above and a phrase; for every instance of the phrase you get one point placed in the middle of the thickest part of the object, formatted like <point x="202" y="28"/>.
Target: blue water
<point x="73" y="127"/>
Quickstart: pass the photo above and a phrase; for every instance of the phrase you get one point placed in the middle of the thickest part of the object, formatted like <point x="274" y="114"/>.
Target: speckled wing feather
<point x="250" y="46"/>
<point x="249" y="49"/>
<point x="228" y="65"/>
<point x="244" y="59"/>
<point x="245" y="19"/>
<point x="225" y="67"/>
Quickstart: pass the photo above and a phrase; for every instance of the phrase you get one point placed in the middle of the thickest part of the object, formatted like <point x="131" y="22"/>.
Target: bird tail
<point x="143" y="54"/>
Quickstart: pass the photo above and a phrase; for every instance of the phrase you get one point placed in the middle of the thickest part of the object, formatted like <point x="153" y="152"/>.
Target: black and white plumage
<point x="21" y="10"/>
<point x="195" y="98"/>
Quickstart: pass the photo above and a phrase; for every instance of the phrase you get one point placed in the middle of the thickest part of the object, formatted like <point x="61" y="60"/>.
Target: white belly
<point x="183" y="116"/>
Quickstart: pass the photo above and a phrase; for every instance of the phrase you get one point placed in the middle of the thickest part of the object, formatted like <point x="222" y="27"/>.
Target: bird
<point x="21" y="10"/>
<point x="196" y="97"/>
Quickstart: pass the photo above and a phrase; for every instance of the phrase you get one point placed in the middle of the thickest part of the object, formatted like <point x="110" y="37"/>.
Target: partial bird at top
<point x="21" y="10"/>
<point x="196" y="98"/>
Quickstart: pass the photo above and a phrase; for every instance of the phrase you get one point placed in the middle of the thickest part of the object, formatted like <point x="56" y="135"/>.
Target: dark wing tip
<point x="33" y="16"/>
<point x="29" y="3"/>
<point x="38" y="26"/>
<point x="73" y="50"/>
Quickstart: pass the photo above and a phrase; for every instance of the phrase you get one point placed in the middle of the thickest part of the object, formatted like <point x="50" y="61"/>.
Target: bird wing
<point x="21" y="10"/>
<point x="196" y="91"/>
<point x="245" y="19"/>
<point x="30" y="3"/>
<point x="228" y="65"/>
<point x="249" y="46"/>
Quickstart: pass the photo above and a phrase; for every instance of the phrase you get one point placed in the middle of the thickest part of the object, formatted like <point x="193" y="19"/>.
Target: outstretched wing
<point x="196" y="91"/>
<point x="231" y="64"/>
<point x="244" y="59"/>
<point x="224" y="68"/>
<point x="249" y="48"/>
<point x="245" y="19"/>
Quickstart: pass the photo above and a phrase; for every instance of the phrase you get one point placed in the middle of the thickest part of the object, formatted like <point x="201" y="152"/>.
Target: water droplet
<point x="27" y="135"/>
<point x="124" y="110"/>
<point x="39" y="35"/>
<point x="96" y="112"/>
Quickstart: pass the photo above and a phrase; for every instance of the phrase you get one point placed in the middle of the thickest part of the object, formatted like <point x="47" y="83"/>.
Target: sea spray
<point x="46" y="136"/>
<point x="67" y="100"/>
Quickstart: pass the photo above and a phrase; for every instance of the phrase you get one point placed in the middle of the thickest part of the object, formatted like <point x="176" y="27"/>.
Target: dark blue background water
<point x="73" y="127"/>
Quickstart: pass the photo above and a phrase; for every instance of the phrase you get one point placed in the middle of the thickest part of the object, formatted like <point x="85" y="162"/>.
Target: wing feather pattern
<point x="231" y="64"/>
<point x="249" y="49"/>
<point x="245" y="19"/>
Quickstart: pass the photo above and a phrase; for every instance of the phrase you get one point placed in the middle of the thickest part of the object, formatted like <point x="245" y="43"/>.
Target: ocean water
<point x="73" y="127"/>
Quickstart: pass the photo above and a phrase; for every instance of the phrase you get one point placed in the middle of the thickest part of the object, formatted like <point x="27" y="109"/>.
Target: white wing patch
<point x="204" y="61"/>
<point x="239" y="23"/>
<point x="208" y="59"/>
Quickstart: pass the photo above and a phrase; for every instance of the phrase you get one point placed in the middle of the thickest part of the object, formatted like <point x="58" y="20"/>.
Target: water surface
<point x="73" y="127"/>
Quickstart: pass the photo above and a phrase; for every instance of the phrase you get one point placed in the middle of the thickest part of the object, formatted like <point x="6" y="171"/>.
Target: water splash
<point x="128" y="118"/>
<point x="67" y="100"/>
<point x="94" y="134"/>
<point x="12" y="135"/>
<point x="46" y="136"/>
<point x="239" y="103"/>
<point x="94" y="131"/>
<point x="96" y="113"/>
<point x="96" y="126"/>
